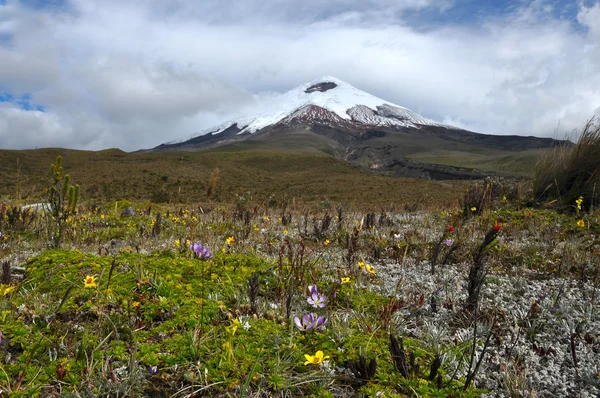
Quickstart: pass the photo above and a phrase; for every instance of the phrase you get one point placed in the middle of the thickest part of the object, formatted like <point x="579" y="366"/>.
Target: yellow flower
<point x="315" y="359"/>
<point x="231" y="329"/>
<point x="371" y="269"/>
<point x="578" y="202"/>
<point x="230" y="241"/>
<point x="6" y="289"/>
<point x="285" y="231"/>
<point x="326" y="242"/>
<point x="581" y="223"/>
<point x="177" y="243"/>
<point x="361" y="264"/>
<point x="346" y="280"/>
<point x="89" y="281"/>
<point x="473" y="208"/>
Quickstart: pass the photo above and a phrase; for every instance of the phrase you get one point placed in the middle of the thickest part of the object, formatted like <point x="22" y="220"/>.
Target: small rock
<point x="129" y="212"/>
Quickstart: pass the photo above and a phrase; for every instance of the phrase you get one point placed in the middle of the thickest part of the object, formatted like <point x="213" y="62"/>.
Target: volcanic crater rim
<point x="322" y="87"/>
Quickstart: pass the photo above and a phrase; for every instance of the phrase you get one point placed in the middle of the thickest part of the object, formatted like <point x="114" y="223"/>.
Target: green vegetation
<point x="62" y="201"/>
<point x="290" y="298"/>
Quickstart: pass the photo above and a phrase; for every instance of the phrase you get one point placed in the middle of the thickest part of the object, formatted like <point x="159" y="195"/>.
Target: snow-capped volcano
<point x="331" y="116"/>
<point x="330" y="101"/>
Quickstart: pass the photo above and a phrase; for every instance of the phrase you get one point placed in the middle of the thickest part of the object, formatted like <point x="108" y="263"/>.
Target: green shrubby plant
<point x="62" y="201"/>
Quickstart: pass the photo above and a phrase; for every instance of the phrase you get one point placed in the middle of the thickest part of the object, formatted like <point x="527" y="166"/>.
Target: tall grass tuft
<point x="212" y="183"/>
<point x="569" y="171"/>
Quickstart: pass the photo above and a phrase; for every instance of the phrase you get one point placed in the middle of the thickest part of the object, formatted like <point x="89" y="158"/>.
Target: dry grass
<point x="273" y="178"/>
<point x="569" y="171"/>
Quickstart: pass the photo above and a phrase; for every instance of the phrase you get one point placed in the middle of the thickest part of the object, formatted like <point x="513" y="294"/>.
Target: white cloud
<point x="138" y="73"/>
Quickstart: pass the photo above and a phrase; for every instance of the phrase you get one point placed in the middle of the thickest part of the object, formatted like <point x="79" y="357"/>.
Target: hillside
<point x="272" y="176"/>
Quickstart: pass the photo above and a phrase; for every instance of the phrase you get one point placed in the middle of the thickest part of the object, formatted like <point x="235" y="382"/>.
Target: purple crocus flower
<point x="200" y="251"/>
<point x="315" y="299"/>
<point x="449" y="242"/>
<point x="310" y="321"/>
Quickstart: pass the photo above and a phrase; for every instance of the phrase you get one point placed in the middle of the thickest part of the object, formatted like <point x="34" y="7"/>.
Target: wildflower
<point x="89" y="281"/>
<point x="6" y="289"/>
<point x="326" y="242"/>
<point x="581" y="223"/>
<point x="316" y="300"/>
<point x="153" y="370"/>
<point x="361" y="264"/>
<point x="231" y="329"/>
<point x="230" y="240"/>
<point x="451" y="228"/>
<point x="315" y="359"/>
<point x="345" y="280"/>
<point x="200" y="251"/>
<point x="497" y="227"/>
<point x="449" y="242"/>
<point x="177" y="243"/>
<point x="285" y="231"/>
<point x="246" y="325"/>
<point x="578" y="202"/>
<point x="473" y="208"/>
<point x="310" y="321"/>
<point x="273" y="306"/>
<point x="371" y="269"/>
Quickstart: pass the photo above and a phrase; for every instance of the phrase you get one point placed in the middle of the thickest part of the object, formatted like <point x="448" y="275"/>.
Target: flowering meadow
<point x="137" y="299"/>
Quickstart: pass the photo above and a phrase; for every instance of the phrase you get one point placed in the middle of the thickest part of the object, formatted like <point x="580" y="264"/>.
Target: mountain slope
<point x="332" y="116"/>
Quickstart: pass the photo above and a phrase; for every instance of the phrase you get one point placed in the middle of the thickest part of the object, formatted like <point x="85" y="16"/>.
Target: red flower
<point x="497" y="227"/>
<point x="450" y="228"/>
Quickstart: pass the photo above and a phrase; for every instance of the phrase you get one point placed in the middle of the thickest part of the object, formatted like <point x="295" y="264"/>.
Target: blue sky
<point x="136" y="73"/>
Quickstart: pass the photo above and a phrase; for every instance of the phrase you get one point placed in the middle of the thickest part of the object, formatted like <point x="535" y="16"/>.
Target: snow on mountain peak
<point x="327" y="100"/>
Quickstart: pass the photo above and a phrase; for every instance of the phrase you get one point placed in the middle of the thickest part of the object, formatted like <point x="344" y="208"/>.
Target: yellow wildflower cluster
<point x="578" y="202"/>
<point x="6" y="289"/>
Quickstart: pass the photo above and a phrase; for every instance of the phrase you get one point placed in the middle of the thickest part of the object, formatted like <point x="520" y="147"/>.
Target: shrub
<point x="569" y="171"/>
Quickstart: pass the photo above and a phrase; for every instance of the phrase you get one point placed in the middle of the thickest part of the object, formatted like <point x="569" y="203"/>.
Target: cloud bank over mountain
<point x="92" y="75"/>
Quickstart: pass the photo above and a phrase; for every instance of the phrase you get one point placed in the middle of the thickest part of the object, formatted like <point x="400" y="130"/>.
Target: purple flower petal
<point x="298" y="323"/>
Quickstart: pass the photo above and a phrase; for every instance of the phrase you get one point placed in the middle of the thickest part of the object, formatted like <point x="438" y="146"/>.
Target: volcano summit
<point x="332" y="116"/>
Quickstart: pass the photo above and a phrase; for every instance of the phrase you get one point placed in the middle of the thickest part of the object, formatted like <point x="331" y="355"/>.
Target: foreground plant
<point x="310" y="321"/>
<point x="62" y="201"/>
<point x="316" y="300"/>
<point x="316" y="359"/>
<point x="479" y="270"/>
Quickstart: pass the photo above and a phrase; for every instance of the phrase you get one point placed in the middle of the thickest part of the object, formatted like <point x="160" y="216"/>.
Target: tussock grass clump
<point x="571" y="171"/>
